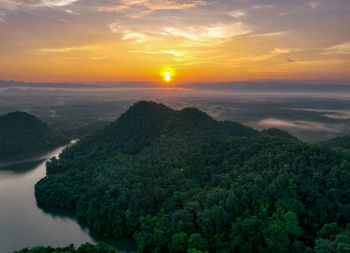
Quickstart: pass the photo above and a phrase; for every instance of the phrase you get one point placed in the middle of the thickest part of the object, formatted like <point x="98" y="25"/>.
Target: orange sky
<point x="198" y="40"/>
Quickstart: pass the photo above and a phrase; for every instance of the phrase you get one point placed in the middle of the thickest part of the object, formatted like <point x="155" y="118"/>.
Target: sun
<point x="167" y="74"/>
<point x="167" y="77"/>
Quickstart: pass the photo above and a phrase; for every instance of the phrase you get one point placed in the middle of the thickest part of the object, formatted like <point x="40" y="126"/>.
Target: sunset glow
<point x="75" y="40"/>
<point x="167" y="77"/>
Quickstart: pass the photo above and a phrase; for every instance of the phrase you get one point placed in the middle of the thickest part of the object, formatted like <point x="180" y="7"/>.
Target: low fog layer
<point x="311" y="112"/>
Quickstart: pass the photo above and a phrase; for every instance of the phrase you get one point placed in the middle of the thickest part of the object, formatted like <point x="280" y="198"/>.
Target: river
<point x="23" y="224"/>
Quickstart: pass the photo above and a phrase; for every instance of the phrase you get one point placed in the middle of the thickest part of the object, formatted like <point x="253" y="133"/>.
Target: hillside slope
<point x="22" y="132"/>
<point x="85" y="248"/>
<point x="180" y="181"/>
<point x="279" y="133"/>
<point x="342" y="142"/>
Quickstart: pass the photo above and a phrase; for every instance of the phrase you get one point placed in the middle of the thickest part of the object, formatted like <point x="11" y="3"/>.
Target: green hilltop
<point x="181" y="181"/>
<point x="21" y="132"/>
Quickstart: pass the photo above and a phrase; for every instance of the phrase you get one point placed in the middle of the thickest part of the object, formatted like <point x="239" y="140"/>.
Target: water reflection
<point x="21" y="168"/>
<point x="42" y="154"/>
<point x="123" y="245"/>
<point x="23" y="224"/>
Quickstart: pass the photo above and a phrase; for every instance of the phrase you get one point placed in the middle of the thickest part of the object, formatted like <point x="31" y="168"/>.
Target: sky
<point x="190" y="40"/>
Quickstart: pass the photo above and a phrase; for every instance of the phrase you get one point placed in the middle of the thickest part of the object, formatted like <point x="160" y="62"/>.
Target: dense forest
<point x="279" y="133"/>
<point x="85" y="248"/>
<point x="341" y="142"/>
<point x="21" y="132"/>
<point x="180" y="181"/>
<point x="78" y="133"/>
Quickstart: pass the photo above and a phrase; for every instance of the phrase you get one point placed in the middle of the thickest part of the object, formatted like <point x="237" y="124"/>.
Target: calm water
<point x="22" y="223"/>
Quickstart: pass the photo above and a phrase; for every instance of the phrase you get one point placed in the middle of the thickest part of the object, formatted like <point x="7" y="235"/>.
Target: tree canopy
<point x="85" y="248"/>
<point x="341" y="142"/>
<point x="180" y="181"/>
<point x="22" y="132"/>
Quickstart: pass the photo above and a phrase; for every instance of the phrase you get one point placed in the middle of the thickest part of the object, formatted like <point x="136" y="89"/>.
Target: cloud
<point x="173" y="53"/>
<point x="55" y="3"/>
<point x="143" y="7"/>
<point x="238" y="39"/>
<point x="278" y="51"/>
<point x="322" y="62"/>
<point x="342" y="48"/>
<point x="11" y="6"/>
<point x="203" y="33"/>
<point x="274" y="52"/>
<point x="7" y="6"/>
<point x="263" y="6"/>
<point x="296" y="124"/>
<point x="71" y="12"/>
<point x="313" y="4"/>
<point x="237" y="14"/>
<point x="199" y="33"/>
<point x="328" y="113"/>
<point x="132" y="33"/>
<point x="188" y="45"/>
<point x="270" y="34"/>
<point x="69" y="49"/>
<point x="338" y="115"/>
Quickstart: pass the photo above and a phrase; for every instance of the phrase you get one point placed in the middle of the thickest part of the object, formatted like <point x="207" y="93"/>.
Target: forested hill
<point x="342" y="142"/>
<point x="180" y="181"/>
<point x="279" y="133"/>
<point x="22" y="132"/>
<point x="85" y="248"/>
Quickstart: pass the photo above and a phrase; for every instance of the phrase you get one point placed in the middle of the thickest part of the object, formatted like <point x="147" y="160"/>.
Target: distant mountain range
<point x="273" y="86"/>
<point x="21" y="132"/>
<point x="51" y="85"/>
<point x="266" y="86"/>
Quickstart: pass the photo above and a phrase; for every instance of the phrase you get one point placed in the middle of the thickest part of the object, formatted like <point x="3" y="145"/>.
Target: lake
<point x="23" y="224"/>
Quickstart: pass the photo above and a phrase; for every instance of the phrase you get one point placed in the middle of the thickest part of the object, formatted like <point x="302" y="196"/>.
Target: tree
<point x="179" y="242"/>
<point x="196" y="241"/>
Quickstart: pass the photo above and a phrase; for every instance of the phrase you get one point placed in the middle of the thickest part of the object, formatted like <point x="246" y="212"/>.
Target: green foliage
<point x="85" y="130"/>
<point x="279" y="133"/>
<point x="179" y="242"/>
<point x="328" y="231"/>
<point x="85" y="248"/>
<point x="196" y="251"/>
<point x="197" y="242"/>
<point x="180" y="181"/>
<point x="341" y="142"/>
<point x="22" y="132"/>
<point x="333" y="241"/>
<point x="280" y="232"/>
